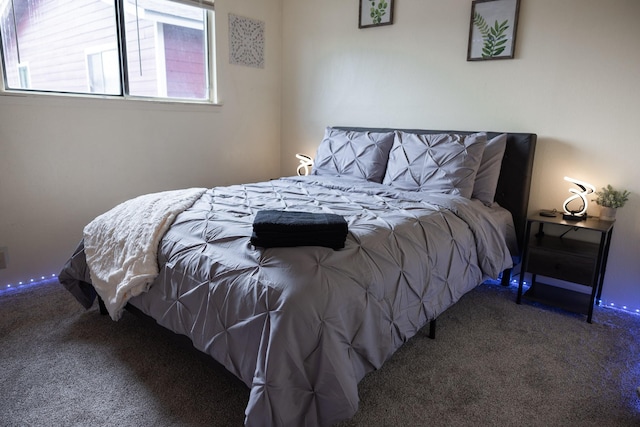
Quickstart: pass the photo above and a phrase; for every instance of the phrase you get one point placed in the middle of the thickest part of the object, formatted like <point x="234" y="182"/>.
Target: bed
<point x="430" y="214"/>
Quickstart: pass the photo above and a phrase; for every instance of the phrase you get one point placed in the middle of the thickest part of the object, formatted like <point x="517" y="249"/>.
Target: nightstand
<point x="571" y="260"/>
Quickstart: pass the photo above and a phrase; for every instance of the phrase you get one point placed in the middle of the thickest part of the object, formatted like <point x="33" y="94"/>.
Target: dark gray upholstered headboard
<point x="515" y="177"/>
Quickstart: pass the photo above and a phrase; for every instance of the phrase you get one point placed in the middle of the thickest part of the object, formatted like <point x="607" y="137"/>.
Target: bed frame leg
<point x="103" y="308"/>
<point x="506" y="277"/>
<point x="432" y="329"/>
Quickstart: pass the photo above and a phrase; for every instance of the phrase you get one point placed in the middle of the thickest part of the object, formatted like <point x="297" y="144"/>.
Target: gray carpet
<point x="493" y="363"/>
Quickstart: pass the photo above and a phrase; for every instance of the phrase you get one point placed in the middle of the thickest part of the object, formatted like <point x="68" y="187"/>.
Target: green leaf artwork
<point x="377" y="12"/>
<point x="494" y="37"/>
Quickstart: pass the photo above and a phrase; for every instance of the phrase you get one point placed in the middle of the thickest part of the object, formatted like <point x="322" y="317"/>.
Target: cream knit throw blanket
<point x="121" y="245"/>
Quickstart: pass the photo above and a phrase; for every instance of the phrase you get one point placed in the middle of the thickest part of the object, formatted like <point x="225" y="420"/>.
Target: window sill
<point x="119" y="102"/>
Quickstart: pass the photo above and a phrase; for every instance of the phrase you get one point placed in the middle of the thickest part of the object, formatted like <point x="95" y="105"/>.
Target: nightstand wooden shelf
<point x="576" y="261"/>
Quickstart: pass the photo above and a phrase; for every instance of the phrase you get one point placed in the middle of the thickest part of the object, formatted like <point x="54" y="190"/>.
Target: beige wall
<point x="574" y="82"/>
<point x="64" y="161"/>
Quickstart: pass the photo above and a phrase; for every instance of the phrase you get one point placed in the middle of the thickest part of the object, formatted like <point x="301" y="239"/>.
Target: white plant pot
<point x="607" y="214"/>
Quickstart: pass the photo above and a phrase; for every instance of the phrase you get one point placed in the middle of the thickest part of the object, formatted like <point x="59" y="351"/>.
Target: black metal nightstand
<point x="571" y="260"/>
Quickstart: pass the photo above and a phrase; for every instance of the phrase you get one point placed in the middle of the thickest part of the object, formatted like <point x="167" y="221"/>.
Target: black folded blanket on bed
<point x="274" y="229"/>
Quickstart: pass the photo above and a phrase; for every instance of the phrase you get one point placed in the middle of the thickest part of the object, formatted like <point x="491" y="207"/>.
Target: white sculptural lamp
<point x="585" y="189"/>
<point x="306" y="163"/>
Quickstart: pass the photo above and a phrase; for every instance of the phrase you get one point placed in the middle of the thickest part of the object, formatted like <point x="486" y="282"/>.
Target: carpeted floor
<point x="493" y="363"/>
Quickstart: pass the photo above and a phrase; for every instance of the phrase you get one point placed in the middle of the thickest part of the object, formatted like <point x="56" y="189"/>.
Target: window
<point x="130" y="48"/>
<point x="23" y="76"/>
<point x="103" y="72"/>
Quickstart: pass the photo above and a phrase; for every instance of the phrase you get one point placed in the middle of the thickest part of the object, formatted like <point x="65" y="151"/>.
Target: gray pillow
<point x="353" y="153"/>
<point x="484" y="188"/>
<point x="442" y="163"/>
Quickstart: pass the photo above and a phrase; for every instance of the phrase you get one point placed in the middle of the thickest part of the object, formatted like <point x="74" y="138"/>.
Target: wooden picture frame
<point x="375" y="13"/>
<point x="492" y="29"/>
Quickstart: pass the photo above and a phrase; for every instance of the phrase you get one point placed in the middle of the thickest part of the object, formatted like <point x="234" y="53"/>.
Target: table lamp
<point x="585" y="189"/>
<point x="306" y="162"/>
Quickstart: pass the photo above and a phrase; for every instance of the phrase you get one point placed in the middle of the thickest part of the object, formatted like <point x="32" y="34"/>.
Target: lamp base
<point x="572" y="217"/>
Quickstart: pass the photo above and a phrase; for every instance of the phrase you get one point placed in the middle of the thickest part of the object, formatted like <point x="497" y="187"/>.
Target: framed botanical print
<point x="374" y="13"/>
<point x="492" y="31"/>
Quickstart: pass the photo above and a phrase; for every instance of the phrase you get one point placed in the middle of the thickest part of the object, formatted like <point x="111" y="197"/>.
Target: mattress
<point x="302" y="326"/>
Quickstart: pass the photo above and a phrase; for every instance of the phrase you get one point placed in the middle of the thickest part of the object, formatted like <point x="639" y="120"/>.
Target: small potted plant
<point x="609" y="200"/>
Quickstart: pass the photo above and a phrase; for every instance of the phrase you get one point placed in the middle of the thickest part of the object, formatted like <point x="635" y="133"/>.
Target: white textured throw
<point x="121" y="245"/>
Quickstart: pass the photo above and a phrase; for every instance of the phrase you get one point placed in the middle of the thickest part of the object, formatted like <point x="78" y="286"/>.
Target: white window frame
<point x="211" y="77"/>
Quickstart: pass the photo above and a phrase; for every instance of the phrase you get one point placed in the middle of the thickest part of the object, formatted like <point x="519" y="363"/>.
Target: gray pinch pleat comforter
<point x="302" y="326"/>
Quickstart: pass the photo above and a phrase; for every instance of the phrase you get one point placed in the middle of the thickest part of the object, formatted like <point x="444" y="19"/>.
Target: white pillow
<point x="442" y="163"/>
<point x="484" y="188"/>
<point x="361" y="154"/>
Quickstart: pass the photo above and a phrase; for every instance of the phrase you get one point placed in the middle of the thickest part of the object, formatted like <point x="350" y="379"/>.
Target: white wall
<point x="574" y="82"/>
<point x="64" y="161"/>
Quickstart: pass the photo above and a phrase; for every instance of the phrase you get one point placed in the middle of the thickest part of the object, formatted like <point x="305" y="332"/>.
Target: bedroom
<point x="63" y="161"/>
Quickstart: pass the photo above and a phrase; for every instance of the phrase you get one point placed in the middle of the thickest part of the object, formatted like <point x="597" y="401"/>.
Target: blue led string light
<point x="601" y="303"/>
<point x="26" y="284"/>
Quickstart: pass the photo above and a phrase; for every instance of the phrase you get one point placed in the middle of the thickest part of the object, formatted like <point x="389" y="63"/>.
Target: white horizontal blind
<point x="206" y="4"/>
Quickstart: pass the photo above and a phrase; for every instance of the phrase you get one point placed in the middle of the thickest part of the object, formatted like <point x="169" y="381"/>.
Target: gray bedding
<point x="302" y="326"/>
